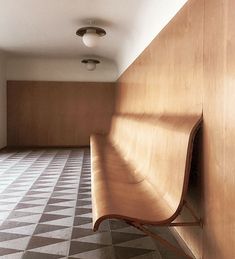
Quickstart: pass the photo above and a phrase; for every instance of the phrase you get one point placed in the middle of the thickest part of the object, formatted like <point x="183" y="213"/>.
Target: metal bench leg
<point x="160" y="239"/>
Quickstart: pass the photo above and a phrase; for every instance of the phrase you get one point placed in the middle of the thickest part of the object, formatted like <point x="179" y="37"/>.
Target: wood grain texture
<point x="167" y="78"/>
<point x="219" y="129"/>
<point x="57" y="113"/>
<point x="137" y="158"/>
<point x="190" y="66"/>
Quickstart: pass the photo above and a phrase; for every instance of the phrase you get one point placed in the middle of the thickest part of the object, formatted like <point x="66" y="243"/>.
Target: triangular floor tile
<point x="41" y="186"/>
<point x="67" y="196"/>
<point x="71" y="184"/>
<point x="57" y="249"/>
<point x="10" y="198"/>
<point x="36" y="242"/>
<point x="87" y="226"/>
<point x="144" y="242"/>
<point x="83" y="203"/>
<point x="31" y="193"/>
<point x="31" y="219"/>
<point x="103" y="238"/>
<point x="117" y="224"/>
<point x="83" y="196"/>
<point x="86" y="206"/>
<point x="84" y="190"/>
<point x="123" y="237"/>
<point x="21" y="206"/>
<point x="65" y="221"/>
<point x="62" y="188"/>
<point x="50" y="189"/>
<point x="4" y="214"/>
<point x="151" y="255"/>
<point x="81" y="232"/>
<point x="10" y="253"/>
<point x="68" y="203"/>
<point x="128" y="252"/>
<point x="36" y="209"/>
<point x="25" y="230"/>
<point x="81" y="221"/>
<point x="80" y="211"/>
<point x="7" y="206"/>
<point x="55" y="200"/>
<point x="80" y="247"/>
<point x="84" y="185"/>
<point x="87" y="215"/>
<point x="39" y="194"/>
<point x="62" y="233"/>
<point x="19" y="243"/>
<point x="37" y="201"/>
<point x="17" y="214"/>
<point x="13" y="224"/>
<point x="51" y="208"/>
<point x="43" y="228"/>
<point x="28" y="199"/>
<point x="35" y="255"/>
<point x="17" y="255"/>
<point x="64" y="212"/>
<point x="85" y="199"/>
<point x="102" y="253"/>
<point x="128" y="230"/>
<point x="50" y="217"/>
<point x="4" y="236"/>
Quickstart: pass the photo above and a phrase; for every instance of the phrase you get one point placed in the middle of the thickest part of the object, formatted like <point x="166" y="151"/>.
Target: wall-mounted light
<point x="90" y="63"/>
<point x="91" y="35"/>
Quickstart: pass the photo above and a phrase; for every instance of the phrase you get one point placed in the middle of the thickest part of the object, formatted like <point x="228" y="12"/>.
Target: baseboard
<point x="3" y="148"/>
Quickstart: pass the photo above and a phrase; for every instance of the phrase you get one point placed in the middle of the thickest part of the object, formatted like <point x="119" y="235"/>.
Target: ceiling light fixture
<point x="90" y="63"/>
<point x="90" y="35"/>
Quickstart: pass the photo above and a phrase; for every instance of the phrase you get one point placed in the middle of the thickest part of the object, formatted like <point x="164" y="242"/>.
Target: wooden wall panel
<point x="57" y="113"/>
<point x="219" y="129"/>
<point x="168" y="77"/>
<point x="189" y="67"/>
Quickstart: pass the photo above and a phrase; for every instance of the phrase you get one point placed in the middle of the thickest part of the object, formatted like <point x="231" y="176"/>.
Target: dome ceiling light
<point x="90" y="63"/>
<point x="91" y="35"/>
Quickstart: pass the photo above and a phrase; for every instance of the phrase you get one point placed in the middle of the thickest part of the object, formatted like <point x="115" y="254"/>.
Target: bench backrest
<point x="159" y="149"/>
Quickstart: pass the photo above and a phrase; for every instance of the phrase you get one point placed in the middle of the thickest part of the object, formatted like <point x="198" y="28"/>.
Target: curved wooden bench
<point x="140" y="170"/>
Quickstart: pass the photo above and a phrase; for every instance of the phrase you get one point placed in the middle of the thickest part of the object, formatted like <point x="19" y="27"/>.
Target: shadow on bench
<point x="140" y="171"/>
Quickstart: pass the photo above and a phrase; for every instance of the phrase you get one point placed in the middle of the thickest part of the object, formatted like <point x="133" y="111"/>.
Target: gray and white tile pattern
<point x="46" y="213"/>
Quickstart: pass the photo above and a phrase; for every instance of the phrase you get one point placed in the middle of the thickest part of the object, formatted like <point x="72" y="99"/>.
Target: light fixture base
<point x="90" y="60"/>
<point x="99" y="31"/>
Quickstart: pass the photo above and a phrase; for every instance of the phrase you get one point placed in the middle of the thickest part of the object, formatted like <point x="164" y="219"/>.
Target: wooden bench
<point x="140" y="170"/>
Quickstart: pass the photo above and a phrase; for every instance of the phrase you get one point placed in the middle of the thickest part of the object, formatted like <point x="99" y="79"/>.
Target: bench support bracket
<point x="197" y="222"/>
<point x="161" y="240"/>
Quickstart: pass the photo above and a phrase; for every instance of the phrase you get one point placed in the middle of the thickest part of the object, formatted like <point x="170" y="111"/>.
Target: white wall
<point x="3" y="102"/>
<point x="54" y="69"/>
<point x="152" y="17"/>
<point x="122" y="44"/>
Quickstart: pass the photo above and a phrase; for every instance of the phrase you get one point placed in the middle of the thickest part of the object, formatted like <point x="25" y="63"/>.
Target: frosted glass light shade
<point x="91" y="66"/>
<point x="90" y="63"/>
<point x="91" y="35"/>
<point x="90" y="38"/>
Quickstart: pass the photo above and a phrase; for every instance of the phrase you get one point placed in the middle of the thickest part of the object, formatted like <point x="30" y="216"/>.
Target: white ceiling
<point x="46" y="28"/>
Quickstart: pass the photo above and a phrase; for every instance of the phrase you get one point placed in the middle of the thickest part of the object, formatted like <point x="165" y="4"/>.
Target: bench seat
<point x="140" y="169"/>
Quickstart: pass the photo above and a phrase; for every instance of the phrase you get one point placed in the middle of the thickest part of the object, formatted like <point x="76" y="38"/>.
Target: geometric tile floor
<point x="46" y="213"/>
